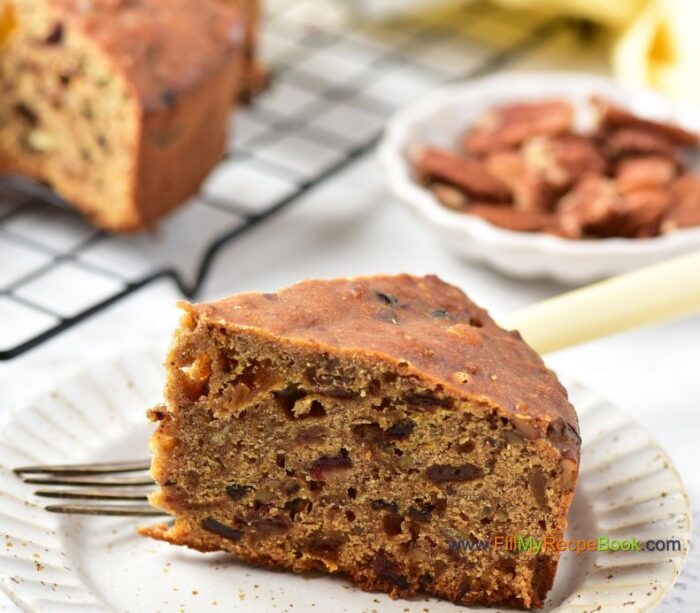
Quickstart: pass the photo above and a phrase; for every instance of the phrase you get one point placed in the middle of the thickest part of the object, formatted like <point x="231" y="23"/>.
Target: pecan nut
<point x="589" y="205"/>
<point x="638" y="214"/>
<point x="652" y="172"/>
<point x="509" y="126"/>
<point x="686" y="210"/>
<point x="563" y="159"/>
<point x="625" y="142"/>
<point x="611" y="116"/>
<point x="530" y="191"/>
<point x="469" y="175"/>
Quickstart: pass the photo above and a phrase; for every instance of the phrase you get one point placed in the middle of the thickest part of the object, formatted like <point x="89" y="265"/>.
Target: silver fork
<point x="118" y="488"/>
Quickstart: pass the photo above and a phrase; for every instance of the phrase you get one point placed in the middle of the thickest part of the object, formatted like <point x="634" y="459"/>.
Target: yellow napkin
<point x="661" y="49"/>
<point x="7" y="22"/>
<point x="657" y="43"/>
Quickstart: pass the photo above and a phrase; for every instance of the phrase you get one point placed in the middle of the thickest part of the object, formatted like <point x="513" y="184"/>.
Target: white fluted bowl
<point x="441" y="118"/>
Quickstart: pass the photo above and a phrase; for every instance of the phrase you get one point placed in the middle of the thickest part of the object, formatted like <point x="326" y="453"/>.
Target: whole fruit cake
<point x="370" y="426"/>
<point x="122" y="107"/>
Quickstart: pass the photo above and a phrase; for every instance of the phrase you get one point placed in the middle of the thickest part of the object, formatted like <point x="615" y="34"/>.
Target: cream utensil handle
<point x="650" y="295"/>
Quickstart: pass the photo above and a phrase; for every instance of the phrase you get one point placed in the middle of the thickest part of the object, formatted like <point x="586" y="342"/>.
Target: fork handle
<point x="653" y="294"/>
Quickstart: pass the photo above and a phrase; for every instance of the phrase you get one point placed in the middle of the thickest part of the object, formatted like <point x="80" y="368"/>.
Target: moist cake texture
<point x="122" y="107"/>
<point x="369" y="426"/>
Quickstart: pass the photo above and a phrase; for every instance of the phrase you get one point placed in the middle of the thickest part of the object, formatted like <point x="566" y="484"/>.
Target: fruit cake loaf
<point x="121" y="106"/>
<point x="370" y="426"/>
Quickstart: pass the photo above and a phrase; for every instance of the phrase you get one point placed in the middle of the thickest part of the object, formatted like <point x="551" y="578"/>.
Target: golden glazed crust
<point x="419" y="323"/>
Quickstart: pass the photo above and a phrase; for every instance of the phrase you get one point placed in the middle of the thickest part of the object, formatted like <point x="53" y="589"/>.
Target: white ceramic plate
<point x="441" y="118"/>
<point x="628" y="488"/>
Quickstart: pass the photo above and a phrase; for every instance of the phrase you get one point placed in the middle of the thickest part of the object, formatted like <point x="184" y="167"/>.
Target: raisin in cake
<point x="369" y="426"/>
<point x="122" y="107"/>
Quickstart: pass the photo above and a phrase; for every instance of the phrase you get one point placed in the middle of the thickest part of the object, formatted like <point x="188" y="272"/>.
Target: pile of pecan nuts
<point x="523" y="167"/>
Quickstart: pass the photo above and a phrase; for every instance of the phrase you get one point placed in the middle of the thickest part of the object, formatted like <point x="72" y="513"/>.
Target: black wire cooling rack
<point x="334" y="85"/>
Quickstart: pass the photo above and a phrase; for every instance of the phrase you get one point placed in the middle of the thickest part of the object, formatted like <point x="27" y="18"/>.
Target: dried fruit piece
<point x="612" y="116"/>
<point x="329" y="463"/>
<point x="538" y="485"/>
<point x="563" y="437"/>
<point x="326" y="546"/>
<point x="388" y="570"/>
<point x="509" y="126"/>
<point x="296" y="506"/>
<point x="426" y="400"/>
<point x="392" y="524"/>
<point x="445" y="472"/>
<point x="383" y="505"/>
<point x="385" y="298"/>
<point x="212" y="525"/>
<point x="55" y="36"/>
<point x="421" y="512"/>
<point x="645" y="172"/>
<point x="469" y="175"/>
<point x="237" y="492"/>
<point x="400" y="429"/>
<point x="266" y="526"/>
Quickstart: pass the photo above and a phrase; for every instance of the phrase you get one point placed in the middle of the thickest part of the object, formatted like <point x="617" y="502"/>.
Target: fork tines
<point x="106" y="481"/>
<point x="143" y="510"/>
<point x="99" y="480"/>
<point x="85" y="469"/>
